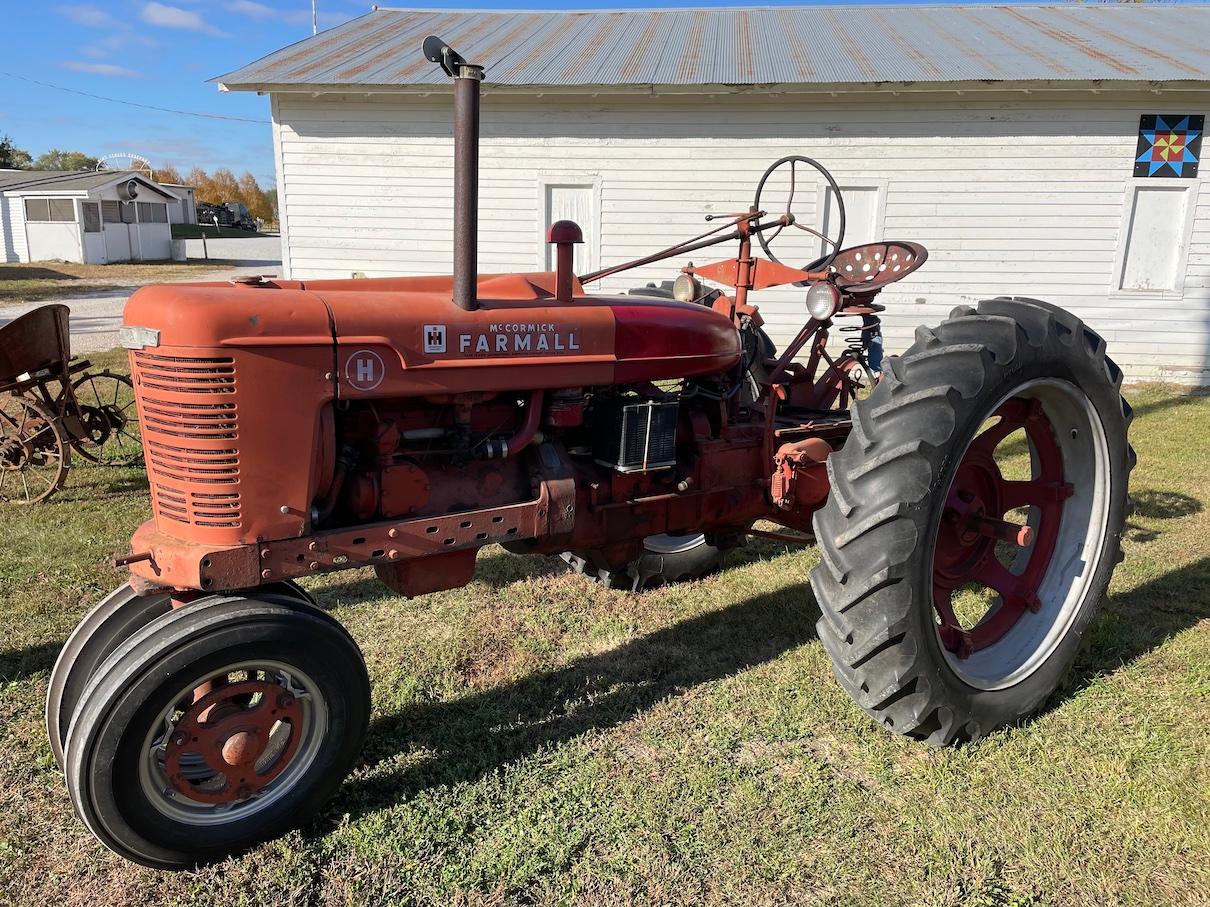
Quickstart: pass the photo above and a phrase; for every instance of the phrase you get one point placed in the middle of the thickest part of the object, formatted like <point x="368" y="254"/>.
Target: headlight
<point x="686" y="288"/>
<point x="823" y="299"/>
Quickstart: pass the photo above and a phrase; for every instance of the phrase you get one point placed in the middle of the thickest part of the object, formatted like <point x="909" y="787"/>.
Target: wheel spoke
<point x="1011" y="416"/>
<point x="1034" y="492"/>
<point x="1013" y="594"/>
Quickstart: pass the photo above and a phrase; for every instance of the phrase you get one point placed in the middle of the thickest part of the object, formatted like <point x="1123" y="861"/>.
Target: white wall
<point x="54" y="242"/>
<point x="155" y="241"/>
<point x="1011" y="193"/>
<point x="12" y="229"/>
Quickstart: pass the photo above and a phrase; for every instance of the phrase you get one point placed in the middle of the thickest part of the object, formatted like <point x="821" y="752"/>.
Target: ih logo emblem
<point x="364" y="370"/>
<point x="434" y="338"/>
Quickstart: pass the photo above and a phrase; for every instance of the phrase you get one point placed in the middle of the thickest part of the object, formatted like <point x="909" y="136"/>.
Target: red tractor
<point x="294" y="427"/>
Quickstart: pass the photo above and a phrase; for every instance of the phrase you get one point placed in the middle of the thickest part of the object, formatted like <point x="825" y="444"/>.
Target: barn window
<point x="47" y="210"/>
<point x="153" y="213"/>
<point x="111" y="212"/>
<point x="92" y="217"/>
<point x="1154" y="245"/>
<point x="128" y="213"/>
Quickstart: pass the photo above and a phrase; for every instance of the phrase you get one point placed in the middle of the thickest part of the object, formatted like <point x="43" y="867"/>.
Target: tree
<point x="12" y="157"/>
<point x="254" y="198"/>
<point x="225" y="186"/>
<point x="169" y="175"/>
<point x="204" y="189"/>
<point x="64" y="160"/>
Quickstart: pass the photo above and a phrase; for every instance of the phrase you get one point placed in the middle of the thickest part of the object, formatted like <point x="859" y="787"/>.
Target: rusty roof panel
<point x="813" y="45"/>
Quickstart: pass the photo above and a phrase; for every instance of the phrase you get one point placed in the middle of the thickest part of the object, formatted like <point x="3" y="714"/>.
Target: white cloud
<point x="254" y="10"/>
<point x="102" y="69"/>
<point x="175" y="17"/>
<point x="90" y="16"/>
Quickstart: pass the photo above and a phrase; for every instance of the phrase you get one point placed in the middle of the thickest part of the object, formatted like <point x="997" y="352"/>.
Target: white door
<point x="571" y="202"/>
<point x="117" y="242"/>
<point x="862" y="214"/>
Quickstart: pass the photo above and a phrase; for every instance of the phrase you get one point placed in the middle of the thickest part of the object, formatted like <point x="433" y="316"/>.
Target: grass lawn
<point x="49" y="280"/>
<point x="537" y="740"/>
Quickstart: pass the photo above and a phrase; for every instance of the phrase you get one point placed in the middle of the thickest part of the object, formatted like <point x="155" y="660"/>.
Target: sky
<point x="161" y="54"/>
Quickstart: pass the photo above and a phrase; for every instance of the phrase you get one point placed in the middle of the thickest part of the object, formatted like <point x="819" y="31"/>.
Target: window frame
<point x="96" y="206"/>
<point x="1133" y="185"/>
<point x="48" y="201"/>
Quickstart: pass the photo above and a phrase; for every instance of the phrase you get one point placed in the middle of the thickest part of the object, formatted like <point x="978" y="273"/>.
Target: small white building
<point x="1034" y="150"/>
<point x="184" y="209"/>
<point x="93" y="217"/>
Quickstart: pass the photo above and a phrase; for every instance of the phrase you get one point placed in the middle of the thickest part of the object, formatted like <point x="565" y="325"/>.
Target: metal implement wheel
<point x="218" y="725"/>
<point x="974" y="521"/>
<point x="769" y="195"/>
<point x="666" y="559"/>
<point x="109" y="418"/>
<point x="111" y="622"/>
<point x="34" y="455"/>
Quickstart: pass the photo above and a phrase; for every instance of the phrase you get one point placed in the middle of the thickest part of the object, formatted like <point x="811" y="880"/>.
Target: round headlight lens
<point x="823" y="299"/>
<point x="686" y="288"/>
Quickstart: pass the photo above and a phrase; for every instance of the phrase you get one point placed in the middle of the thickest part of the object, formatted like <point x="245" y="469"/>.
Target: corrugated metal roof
<point x="761" y="45"/>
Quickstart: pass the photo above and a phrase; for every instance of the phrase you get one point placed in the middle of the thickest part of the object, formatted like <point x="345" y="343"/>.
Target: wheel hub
<point x="244" y="733"/>
<point x="973" y="526"/>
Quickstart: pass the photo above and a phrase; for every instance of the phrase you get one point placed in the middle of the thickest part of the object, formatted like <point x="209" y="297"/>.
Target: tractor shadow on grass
<point x="477" y="734"/>
<point x="470" y="737"/>
<point x="1134" y="622"/>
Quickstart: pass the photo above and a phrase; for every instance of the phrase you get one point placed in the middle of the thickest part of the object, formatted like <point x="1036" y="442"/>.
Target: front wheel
<point x="217" y="725"/>
<point x="974" y="521"/>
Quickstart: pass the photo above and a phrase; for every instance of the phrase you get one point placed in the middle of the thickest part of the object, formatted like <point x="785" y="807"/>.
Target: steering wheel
<point x="832" y="244"/>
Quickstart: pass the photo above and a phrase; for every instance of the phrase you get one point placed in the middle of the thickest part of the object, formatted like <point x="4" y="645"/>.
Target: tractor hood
<point x="405" y="337"/>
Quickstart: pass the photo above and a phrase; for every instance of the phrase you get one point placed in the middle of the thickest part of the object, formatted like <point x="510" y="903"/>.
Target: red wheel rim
<point x="973" y="523"/>
<point x="244" y="733"/>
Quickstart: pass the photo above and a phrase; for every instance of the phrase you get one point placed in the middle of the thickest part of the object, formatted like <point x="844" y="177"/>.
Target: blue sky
<point x="161" y="54"/>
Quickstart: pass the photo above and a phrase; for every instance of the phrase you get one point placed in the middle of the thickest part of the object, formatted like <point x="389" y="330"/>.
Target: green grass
<point x="537" y="740"/>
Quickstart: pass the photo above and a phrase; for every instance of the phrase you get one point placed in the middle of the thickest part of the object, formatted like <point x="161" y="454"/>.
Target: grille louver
<point x="190" y="423"/>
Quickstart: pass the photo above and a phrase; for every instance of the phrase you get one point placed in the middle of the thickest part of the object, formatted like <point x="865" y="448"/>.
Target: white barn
<point x="1004" y="139"/>
<point x="89" y="217"/>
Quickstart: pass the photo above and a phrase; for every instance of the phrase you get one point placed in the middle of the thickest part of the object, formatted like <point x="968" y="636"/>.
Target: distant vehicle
<point x="228" y="214"/>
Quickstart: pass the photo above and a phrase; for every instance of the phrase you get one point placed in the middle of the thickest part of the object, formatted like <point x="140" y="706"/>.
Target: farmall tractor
<point x="294" y="428"/>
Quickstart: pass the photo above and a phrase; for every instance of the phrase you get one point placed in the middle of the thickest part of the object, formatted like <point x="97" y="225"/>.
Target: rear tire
<point x="887" y="565"/>
<point x="151" y="795"/>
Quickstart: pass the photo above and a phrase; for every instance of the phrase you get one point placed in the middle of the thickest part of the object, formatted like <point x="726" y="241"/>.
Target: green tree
<point x="12" y="157"/>
<point x="64" y="160"/>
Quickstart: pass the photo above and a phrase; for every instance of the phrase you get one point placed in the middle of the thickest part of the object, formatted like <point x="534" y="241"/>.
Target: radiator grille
<point x="190" y="424"/>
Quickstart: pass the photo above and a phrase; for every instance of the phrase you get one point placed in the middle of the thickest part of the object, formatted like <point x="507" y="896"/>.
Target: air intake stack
<point x="467" y="77"/>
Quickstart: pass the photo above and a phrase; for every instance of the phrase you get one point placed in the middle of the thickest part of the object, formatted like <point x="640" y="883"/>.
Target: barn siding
<point x="1010" y="193"/>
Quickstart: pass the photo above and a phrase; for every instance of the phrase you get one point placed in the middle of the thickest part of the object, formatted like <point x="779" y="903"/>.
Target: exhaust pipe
<point x="467" y="77"/>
